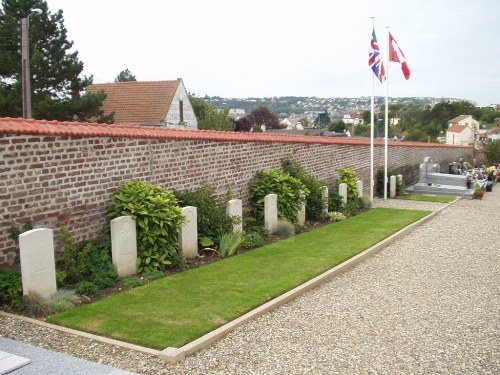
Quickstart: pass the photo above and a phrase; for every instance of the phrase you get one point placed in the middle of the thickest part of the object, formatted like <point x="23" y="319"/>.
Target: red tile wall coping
<point x="44" y="127"/>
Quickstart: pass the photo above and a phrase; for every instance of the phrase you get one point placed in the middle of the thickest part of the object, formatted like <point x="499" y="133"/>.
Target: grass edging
<point x="176" y="355"/>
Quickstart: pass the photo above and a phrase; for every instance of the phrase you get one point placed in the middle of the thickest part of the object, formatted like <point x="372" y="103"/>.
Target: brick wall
<point x="53" y="173"/>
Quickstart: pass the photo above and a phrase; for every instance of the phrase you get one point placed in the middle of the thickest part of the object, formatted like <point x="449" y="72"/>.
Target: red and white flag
<point x="396" y="55"/>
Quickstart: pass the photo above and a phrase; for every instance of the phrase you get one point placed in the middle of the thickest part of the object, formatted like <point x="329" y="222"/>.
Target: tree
<point x="262" y="116"/>
<point x="125" y="76"/>
<point x="324" y="119"/>
<point x="492" y="152"/>
<point x="242" y="125"/>
<point x="57" y="84"/>
<point x="209" y="117"/>
<point x="338" y="126"/>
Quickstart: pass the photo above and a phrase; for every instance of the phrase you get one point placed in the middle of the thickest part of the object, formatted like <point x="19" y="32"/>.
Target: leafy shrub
<point x="252" y="240"/>
<point x="212" y="217"/>
<point x="284" y="229"/>
<point x="314" y="201"/>
<point x="352" y="206"/>
<point x="229" y="243"/>
<point x="290" y="191"/>
<point x="348" y="177"/>
<point x="74" y="257"/>
<point x="87" y="288"/>
<point x="380" y="182"/>
<point x="91" y="261"/>
<point x="335" y="201"/>
<point x="158" y="218"/>
<point x="11" y="288"/>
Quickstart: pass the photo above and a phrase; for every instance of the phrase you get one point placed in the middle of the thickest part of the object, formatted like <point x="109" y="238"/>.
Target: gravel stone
<point x="427" y="303"/>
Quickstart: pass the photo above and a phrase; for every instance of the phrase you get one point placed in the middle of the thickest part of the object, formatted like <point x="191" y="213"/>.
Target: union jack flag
<point x="374" y="60"/>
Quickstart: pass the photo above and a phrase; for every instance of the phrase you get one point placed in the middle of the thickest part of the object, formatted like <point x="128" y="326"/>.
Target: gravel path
<point x="427" y="303"/>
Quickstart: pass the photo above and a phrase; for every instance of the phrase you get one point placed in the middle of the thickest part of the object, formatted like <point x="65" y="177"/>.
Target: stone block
<point x="324" y="199"/>
<point x="343" y="192"/>
<point x="235" y="209"/>
<point x="270" y="212"/>
<point x="38" y="267"/>
<point x="392" y="187"/>
<point x="359" y="185"/>
<point x="124" y="245"/>
<point x="188" y="235"/>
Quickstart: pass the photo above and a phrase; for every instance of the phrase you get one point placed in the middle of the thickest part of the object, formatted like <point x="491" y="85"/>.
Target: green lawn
<point x="175" y="310"/>
<point x="431" y="198"/>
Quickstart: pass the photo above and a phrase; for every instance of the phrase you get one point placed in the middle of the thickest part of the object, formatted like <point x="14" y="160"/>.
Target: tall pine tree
<point x="57" y="82"/>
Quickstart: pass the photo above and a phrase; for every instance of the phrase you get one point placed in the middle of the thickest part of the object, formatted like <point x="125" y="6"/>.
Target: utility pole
<point x="25" y="66"/>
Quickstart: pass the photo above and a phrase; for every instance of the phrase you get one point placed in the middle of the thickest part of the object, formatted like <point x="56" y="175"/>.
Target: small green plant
<point x="152" y="275"/>
<point x="252" y="240"/>
<point x="67" y="295"/>
<point x="59" y="306"/>
<point x="61" y="302"/>
<point x="336" y="216"/>
<point x="74" y="257"/>
<point x="87" y="289"/>
<point x="229" y="243"/>
<point x="132" y="281"/>
<point x="284" y="229"/>
<point x="36" y="305"/>
<point x="158" y="218"/>
<point x="290" y="191"/>
<point x="11" y="288"/>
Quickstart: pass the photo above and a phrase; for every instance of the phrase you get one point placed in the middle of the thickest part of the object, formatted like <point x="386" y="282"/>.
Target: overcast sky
<point x="268" y="48"/>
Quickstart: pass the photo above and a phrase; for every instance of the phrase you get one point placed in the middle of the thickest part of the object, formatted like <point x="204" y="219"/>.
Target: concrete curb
<point x="176" y="355"/>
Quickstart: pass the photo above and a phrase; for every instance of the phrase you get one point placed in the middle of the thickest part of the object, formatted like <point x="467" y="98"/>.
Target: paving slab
<point x="22" y="359"/>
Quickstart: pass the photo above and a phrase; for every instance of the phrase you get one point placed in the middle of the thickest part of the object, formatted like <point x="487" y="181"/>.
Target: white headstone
<point x="124" y="245"/>
<point x="301" y="215"/>
<point x="392" y="186"/>
<point x="343" y="192"/>
<point x="38" y="266"/>
<point x="359" y="185"/>
<point x="188" y="235"/>
<point x="235" y="209"/>
<point x="270" y="211"/>
<point x="324" y="199"/>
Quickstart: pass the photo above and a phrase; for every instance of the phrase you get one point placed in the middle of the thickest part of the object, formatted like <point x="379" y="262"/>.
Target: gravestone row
<point x="37" y="246"/>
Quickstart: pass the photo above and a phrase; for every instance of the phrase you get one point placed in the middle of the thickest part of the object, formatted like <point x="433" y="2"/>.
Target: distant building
<point x="460" y="135"/>
<point x="236" y="113"/>
<point x="466" y="120"/>
<point x="493" y="134"/>
<point x="353" y="118"/>
<point x="156" y="103"/>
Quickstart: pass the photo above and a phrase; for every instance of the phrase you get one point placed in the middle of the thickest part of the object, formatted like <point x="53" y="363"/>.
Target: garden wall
<point x="53" y="173"/>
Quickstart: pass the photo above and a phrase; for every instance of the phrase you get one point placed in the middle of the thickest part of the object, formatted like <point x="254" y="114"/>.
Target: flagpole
<point x="386" y="122"/>
<point x="372" y="126"/>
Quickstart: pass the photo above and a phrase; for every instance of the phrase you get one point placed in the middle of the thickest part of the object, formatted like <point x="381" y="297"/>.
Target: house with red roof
<point x="462" y="130"/>
<point x="155" y="103"/>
